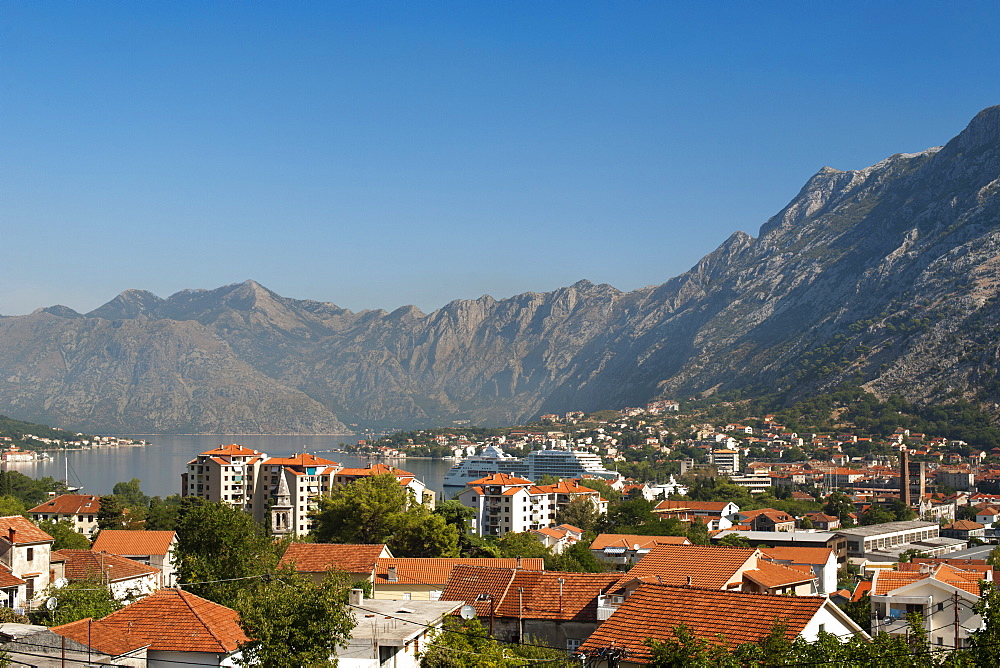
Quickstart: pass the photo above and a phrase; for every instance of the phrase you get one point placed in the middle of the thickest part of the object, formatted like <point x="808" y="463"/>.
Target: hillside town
<point x="708" y="538"/>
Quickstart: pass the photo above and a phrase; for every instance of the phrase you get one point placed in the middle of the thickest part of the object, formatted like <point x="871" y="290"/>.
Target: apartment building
<point x="226" y="474"/>
<point x="505" y="503"/>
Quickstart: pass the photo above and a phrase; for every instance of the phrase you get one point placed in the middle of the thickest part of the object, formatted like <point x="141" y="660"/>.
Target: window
<point x="573" y="643"/>
<point x="30" y="554"/>
<point x="30" y="591"/>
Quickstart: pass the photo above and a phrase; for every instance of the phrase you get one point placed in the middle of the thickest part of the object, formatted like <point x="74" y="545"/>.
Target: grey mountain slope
<point x="887" y="274"/>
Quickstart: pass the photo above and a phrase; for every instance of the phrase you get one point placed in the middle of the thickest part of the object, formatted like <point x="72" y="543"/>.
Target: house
<point x="792" y="539"/>
<point x="423" y="579"/>
<point x="942" y="593"/>
<point x="153" y="548"/>
<point x="126" y="579"/>
<point x="822" y="561"/>
<point x="558" y="608"/>
<point x="80" y="510"/>
<point x="718" y="617"/>
<point x="26" y="551"/>
<point x="822" y="521"/>
<point x="623" y="550"/>
<point x="389" y="633"/>
<point x="30" y="645"/>
<point x="719" y="514"/>
<point x="713" y="567"/>
<point x="317" y="559"/>
<point x="964" y="529"/>
<point x="176" y="627"/>
<point x="765" y="519"/>
<point x="558" y="538"/>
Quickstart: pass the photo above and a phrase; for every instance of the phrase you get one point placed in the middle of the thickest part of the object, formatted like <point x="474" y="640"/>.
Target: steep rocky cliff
<point x="887" y="274"/>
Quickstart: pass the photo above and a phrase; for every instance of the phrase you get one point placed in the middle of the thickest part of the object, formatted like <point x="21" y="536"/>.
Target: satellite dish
<point x="51" y="602"/>
<point x="468" y="612"/>
<point x="60" y="583"/>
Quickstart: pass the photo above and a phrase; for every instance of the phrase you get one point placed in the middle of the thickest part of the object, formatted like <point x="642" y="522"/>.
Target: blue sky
<point x="381" y="154"/>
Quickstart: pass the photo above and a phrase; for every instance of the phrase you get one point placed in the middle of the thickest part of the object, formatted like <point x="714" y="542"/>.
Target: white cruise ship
<point x="558" y="463"/>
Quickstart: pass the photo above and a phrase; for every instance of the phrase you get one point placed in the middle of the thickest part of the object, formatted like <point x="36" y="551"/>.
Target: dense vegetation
<point x="16" y="429"/>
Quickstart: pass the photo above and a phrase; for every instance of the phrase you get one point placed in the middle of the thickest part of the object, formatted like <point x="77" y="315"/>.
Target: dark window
<point x="30" y="554"/>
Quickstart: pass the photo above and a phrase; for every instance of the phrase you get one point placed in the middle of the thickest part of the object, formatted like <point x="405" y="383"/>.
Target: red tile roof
<point x="500" y="479"/>
<point x="773" y="576"/>
<point x="695" y="506"/>
<point x="169" y="620"/>
<point x="21" y="531"/>
<point x="888" y="581"/>
<point x="429" y="571"/>
<point x="629" y="541"/>
<point x="304" y="459"/>
<point x="374" y="469"/>
<point x="541" y="596"/>
<point x="231" y="450"/>
<point x="709" y="567"/>
<point x="654" y="611"/>
<point x="70" y="504"/>
<point x="83" y="564"/>
<point x="109" y="641"/>
<point x="818" y="556"/>
<point x="321" y="557"/>
<point x="131" y="542"/>
<point x="8" y="579"/>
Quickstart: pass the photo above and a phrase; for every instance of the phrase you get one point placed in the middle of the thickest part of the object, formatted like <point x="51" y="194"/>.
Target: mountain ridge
<point x="886" y="275"/>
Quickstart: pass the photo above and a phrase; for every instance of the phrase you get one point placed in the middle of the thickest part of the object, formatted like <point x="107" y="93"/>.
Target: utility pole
<point x="956" y="621"/>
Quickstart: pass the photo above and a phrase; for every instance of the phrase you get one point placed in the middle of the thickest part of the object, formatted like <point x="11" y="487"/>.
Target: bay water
<point x="159" y="465"/>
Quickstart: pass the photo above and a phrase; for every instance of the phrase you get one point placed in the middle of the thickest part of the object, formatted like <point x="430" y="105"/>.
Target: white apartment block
<point x="506" y="504"/>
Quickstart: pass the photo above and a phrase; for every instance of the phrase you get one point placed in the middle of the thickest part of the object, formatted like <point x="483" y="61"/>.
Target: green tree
<point x="294" y="621"/>
<point x="360" y="512"/>
<point x="11" y="505"/>
<point x="840" y="505"/>
<point x="66" y="537"/>
<point x="523" y="544"/>
<point x="78" y="600"/>
<point x="378" y="510"/>
<point x="579" y="512"/>
<point x="698" y="533"/>
<point x="608" y="493"/>
<point x="27" y="490"/>
<point x="130" y="494"/>
<point x="112" y="513"/>
<point x="734" y="540"/>
<point x="876" y="515"/>
<point x="223" y="548"/>
<point x="994" y="558"/>
<point x="420" y="533"/>
<point x="164" y="514"/>
<point x="577" y="558"/>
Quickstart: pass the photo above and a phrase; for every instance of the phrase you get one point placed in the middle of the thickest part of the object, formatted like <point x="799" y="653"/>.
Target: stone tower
<point x="281" y="510"/>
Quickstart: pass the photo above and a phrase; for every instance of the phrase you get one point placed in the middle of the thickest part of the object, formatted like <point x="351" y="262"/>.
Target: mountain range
<point x="887" y="276"/>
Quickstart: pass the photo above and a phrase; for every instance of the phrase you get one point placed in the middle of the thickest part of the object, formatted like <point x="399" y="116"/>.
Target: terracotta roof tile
<point x="321" y="557"/>
<point x="304" y="459"/>
<point x="864" y="587"/>
<point x="654" y="611"/>
<point x="24" y="531"/>
<point x="541" y="596"/>
<point x="374" y="469"/>
<point x="70" y="504"/>
<point x="230" y="451"/>
<point x="83" y="564"/>
<point x="8" y="579"/>
<point x="888" y="581"/>
<point x="771" y="575"/>
<point x="500" y="479"/>
<point x="169" y="620"/>
<point x="696" y="506"/>
<point x="106" y="640"/>
<point x="630" y="540"/>
<point x="798" y="555"/>
<point x="431" y="571"/>
<point x="710" y="567"/>
<point x="132" y="542"/>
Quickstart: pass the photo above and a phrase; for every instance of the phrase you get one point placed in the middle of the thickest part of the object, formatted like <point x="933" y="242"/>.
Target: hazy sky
<point x="381" y="154"/>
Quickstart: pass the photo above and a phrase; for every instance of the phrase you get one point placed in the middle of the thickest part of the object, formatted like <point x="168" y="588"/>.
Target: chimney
<point x="518" y="566"/>
<point x="12" y="535"/>
<point x="392" y="576"/>
<point x="357" y="596"/>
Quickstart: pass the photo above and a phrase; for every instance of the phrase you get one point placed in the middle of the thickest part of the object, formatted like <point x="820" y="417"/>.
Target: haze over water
<point x="159" y="466"/>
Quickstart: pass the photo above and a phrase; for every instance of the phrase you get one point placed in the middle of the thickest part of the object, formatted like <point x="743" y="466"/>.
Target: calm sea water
<point x="159" y="466"/>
